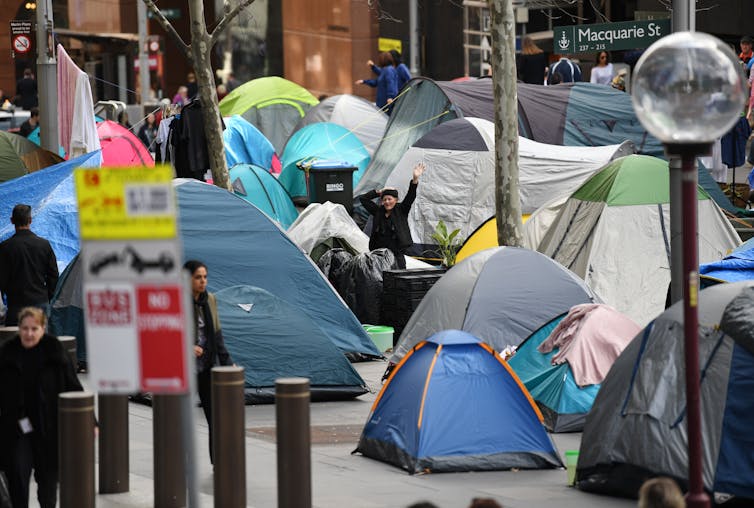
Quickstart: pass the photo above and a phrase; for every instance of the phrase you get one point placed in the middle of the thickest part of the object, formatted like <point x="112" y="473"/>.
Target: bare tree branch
<point x="227" y="18"/>
<point x="168" y="27"/>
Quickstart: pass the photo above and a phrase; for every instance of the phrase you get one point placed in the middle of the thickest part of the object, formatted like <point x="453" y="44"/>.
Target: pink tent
<point x="121" y="147"/>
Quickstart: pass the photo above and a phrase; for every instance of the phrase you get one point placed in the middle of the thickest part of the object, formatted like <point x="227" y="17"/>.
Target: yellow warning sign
<point x="126" y="203"/>
<point x="385" y="44"/>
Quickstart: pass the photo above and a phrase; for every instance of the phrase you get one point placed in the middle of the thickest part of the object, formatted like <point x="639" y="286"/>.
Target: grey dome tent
<point x="501" y="295"/>
<point x="637" y="426"/>
<point x="570" y="114"/>
<point x="459" y="184"/>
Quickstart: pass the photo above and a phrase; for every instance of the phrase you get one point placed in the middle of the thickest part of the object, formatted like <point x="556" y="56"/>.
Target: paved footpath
<point x="340" y="479"/>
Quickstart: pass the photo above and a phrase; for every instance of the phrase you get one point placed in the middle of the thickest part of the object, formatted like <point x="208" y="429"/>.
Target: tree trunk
<point x="201" y="48"/>
<point x="507" y="198"/>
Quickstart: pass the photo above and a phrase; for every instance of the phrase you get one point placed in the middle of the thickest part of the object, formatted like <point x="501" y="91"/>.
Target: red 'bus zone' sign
<point x="161" y="331"/>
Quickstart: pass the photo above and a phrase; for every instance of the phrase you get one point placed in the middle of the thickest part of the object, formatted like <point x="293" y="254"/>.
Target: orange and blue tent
<point x="453" y="404"/>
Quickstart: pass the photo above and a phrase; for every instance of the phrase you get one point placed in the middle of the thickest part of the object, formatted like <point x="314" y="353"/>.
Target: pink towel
<point x="590" y="338"/>
<point x="68" y="73"/>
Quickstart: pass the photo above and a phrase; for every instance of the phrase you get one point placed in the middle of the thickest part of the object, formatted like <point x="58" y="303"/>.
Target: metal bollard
<point x="113" y="443"/>
<point x="69" y="346"/>
<point x="76" y="449"/>
<point x="293" y="443"/>
<point x="169" y="463"/>
<point x="228" y="437"/>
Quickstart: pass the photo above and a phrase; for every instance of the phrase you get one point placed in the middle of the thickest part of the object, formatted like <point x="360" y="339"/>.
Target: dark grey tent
<point x="637" y="426"/>
<point x="272" y="339"/>
<point x="569" y="114"/>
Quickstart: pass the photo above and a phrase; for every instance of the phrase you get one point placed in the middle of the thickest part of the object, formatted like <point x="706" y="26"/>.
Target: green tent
<point x="614" y="232"/>
<point x="272" y="104"/>
<point x="19" y="156"/>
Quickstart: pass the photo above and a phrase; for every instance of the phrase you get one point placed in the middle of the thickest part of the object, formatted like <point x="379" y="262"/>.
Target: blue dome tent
<point x="453" y="404"/>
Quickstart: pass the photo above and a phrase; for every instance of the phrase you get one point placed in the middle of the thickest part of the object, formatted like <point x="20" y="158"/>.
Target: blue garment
<point x="569" y="71"/>
<point x="733" y="144"/>
<point x="404" y="75"/>
<point x="386" y="84"/>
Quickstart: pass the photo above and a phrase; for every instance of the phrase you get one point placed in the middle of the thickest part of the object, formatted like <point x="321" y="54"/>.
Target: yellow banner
<point x="126" y="203"/>
<point x="384" y="44"/>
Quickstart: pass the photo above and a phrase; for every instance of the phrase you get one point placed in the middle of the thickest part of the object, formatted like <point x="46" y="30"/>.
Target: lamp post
<point x="688" y="90"/>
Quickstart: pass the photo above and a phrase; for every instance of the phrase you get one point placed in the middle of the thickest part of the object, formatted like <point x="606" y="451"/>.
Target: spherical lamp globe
<point x="688" y="88"/>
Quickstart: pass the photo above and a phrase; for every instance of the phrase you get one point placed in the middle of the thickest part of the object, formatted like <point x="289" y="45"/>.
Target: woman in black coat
<point x="209" y="346"/>
<point x="34" y="369"/>
<point x="390" y="224"/>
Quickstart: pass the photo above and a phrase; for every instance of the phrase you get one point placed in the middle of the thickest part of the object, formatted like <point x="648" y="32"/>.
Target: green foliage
<point x="447" y="242"/>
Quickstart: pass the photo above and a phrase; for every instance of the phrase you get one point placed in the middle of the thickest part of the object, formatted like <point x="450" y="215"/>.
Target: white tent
<point x="614" y="232"/>
<point x="458" y="186"/>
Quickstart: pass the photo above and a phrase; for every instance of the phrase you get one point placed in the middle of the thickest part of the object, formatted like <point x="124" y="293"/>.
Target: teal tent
<point x="272" y="339"/>
<point x="245" y="144"/>
<point x="242" y="245"/>
<point x="590" y="339"/>
<point x="259" y="187"/>
<point x="317" y="142"/>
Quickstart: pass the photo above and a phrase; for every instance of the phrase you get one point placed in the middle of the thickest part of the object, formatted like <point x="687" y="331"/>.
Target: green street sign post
<point x="608" y="36"/>
<point x="168" y="13"/>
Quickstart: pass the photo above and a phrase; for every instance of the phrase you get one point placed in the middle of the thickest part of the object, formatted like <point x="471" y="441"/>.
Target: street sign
<point x="125" y="203"/>
<point x="129" y="260"/>
<point x="21" y="38"/>
<point x="137" y="328"/>
<point x="608" y="36"/>
<point x="113" y="356"/>
<point x="161" y="327"/>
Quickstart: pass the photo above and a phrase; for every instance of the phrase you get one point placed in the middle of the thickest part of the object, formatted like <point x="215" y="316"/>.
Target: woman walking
<point x="34" y="370"/>
<point x="209" y="346"/>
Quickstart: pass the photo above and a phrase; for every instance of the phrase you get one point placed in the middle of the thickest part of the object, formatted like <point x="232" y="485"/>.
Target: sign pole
<point x="47" y="76"/>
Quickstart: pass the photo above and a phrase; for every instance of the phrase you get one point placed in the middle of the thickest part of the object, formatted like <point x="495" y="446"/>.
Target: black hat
<point x="747" y="40"/>
<point x="390" y="192"/>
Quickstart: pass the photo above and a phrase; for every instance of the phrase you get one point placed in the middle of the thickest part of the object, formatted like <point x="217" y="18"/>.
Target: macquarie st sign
<point x="608" y="36"/>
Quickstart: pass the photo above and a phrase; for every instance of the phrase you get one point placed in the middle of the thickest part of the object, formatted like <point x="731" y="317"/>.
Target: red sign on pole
<point x="161" y="331"/>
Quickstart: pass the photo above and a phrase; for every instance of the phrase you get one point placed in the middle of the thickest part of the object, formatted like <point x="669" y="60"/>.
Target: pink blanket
<point x="590" y="338"/>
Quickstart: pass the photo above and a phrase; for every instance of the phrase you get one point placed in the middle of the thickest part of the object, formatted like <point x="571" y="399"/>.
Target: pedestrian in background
<point x="26" y="91"/>
<point x="209" y="346"/>
<point x="28" y="268"/>
<point x="746" y="49"/>
<point x="531" y="62"/>
<point x="602" y="72"/>
<point x="386" y="83"/>
<point x="401" y="70"/>
<point x="29" y="125"/>
<point x="660" y="493"/>
<point x="569" y="71"/>
<point x="34" y="370"/>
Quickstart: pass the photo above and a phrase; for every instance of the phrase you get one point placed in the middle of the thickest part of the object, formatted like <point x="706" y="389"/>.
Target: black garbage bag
<point x="361" y="280"/>
<point x="332" y="263"/>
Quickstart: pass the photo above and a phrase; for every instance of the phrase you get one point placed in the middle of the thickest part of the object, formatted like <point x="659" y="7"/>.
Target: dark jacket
<point x="214" y="350"/>
<point x="56" y="375"/>
<point x="28" y="269"/>
<point x="531" y="68"/>
<point x="399" y="215"/>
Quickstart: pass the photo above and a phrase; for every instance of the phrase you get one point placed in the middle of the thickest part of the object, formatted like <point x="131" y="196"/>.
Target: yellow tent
<point x="483" y="237"/>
